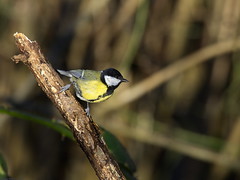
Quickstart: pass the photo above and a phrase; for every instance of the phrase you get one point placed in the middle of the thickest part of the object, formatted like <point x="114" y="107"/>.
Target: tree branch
<point x="86" y="133"/>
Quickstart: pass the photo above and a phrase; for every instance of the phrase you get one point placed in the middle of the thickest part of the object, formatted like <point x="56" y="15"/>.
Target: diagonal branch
<point x="171" y="71"/>
<point x="86" y="133"/>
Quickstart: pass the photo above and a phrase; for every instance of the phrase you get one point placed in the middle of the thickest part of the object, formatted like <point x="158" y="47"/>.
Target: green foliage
<point x="120" y="154"/>
<point x="3" y="168"/>
<point x="115" y="147"/>
<point x="137" y="34"/>
<point x="62" y="129"/>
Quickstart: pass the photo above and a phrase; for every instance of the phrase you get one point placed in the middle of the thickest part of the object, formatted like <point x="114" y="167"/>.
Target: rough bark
<point x="86" y="133"/>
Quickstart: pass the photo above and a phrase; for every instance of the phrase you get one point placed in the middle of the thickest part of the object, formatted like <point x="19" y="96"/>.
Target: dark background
<point x="185" y="128"/>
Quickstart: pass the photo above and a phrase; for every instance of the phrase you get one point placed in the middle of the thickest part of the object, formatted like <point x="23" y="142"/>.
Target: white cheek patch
<point x="111" y="81"/>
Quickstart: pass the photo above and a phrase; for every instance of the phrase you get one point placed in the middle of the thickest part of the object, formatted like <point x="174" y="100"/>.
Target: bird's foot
<point x="88" y="110"/>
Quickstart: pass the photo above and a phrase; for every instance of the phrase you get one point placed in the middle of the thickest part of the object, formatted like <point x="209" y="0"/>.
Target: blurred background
<point x="178" y="117"/>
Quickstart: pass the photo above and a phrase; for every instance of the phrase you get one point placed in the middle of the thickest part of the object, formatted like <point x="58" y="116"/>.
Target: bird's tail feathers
<point x="65" y="73"/>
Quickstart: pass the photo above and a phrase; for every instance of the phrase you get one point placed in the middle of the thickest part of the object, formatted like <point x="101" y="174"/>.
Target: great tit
<point x="93" y="86"/>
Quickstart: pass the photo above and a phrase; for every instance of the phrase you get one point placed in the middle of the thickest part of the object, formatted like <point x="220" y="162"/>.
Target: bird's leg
<point x="64" y="88"/>
<point x="82" y="74"/>
<point x="88" y="110"/>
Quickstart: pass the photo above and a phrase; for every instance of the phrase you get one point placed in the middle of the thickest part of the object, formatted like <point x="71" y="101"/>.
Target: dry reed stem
<point x="229" y="14"/>
<point x="172" y="142"/>
<point x="182" y="17"/>
<point x="162" y="76"/>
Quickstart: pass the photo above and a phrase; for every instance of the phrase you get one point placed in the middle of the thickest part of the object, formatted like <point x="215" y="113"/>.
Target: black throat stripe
<point x="109" y="92"/>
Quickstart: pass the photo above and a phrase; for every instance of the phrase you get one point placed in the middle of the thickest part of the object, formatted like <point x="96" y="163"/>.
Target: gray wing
<point x="78" y="73"/>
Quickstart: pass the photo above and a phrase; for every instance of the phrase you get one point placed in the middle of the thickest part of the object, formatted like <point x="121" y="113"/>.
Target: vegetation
<point x="178" y="117"/>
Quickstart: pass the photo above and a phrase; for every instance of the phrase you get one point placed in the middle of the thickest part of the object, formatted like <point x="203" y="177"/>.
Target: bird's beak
<point x="124" y="80"/>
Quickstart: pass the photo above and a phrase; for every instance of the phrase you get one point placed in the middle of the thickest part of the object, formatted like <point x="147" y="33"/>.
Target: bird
<point x="93" y="86"/>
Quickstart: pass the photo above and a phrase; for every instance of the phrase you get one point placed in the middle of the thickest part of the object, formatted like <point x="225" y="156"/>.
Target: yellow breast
<point x="92" y="90"/>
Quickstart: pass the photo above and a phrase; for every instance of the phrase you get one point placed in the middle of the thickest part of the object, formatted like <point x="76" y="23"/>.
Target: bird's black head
<point x="112" y="77"/>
